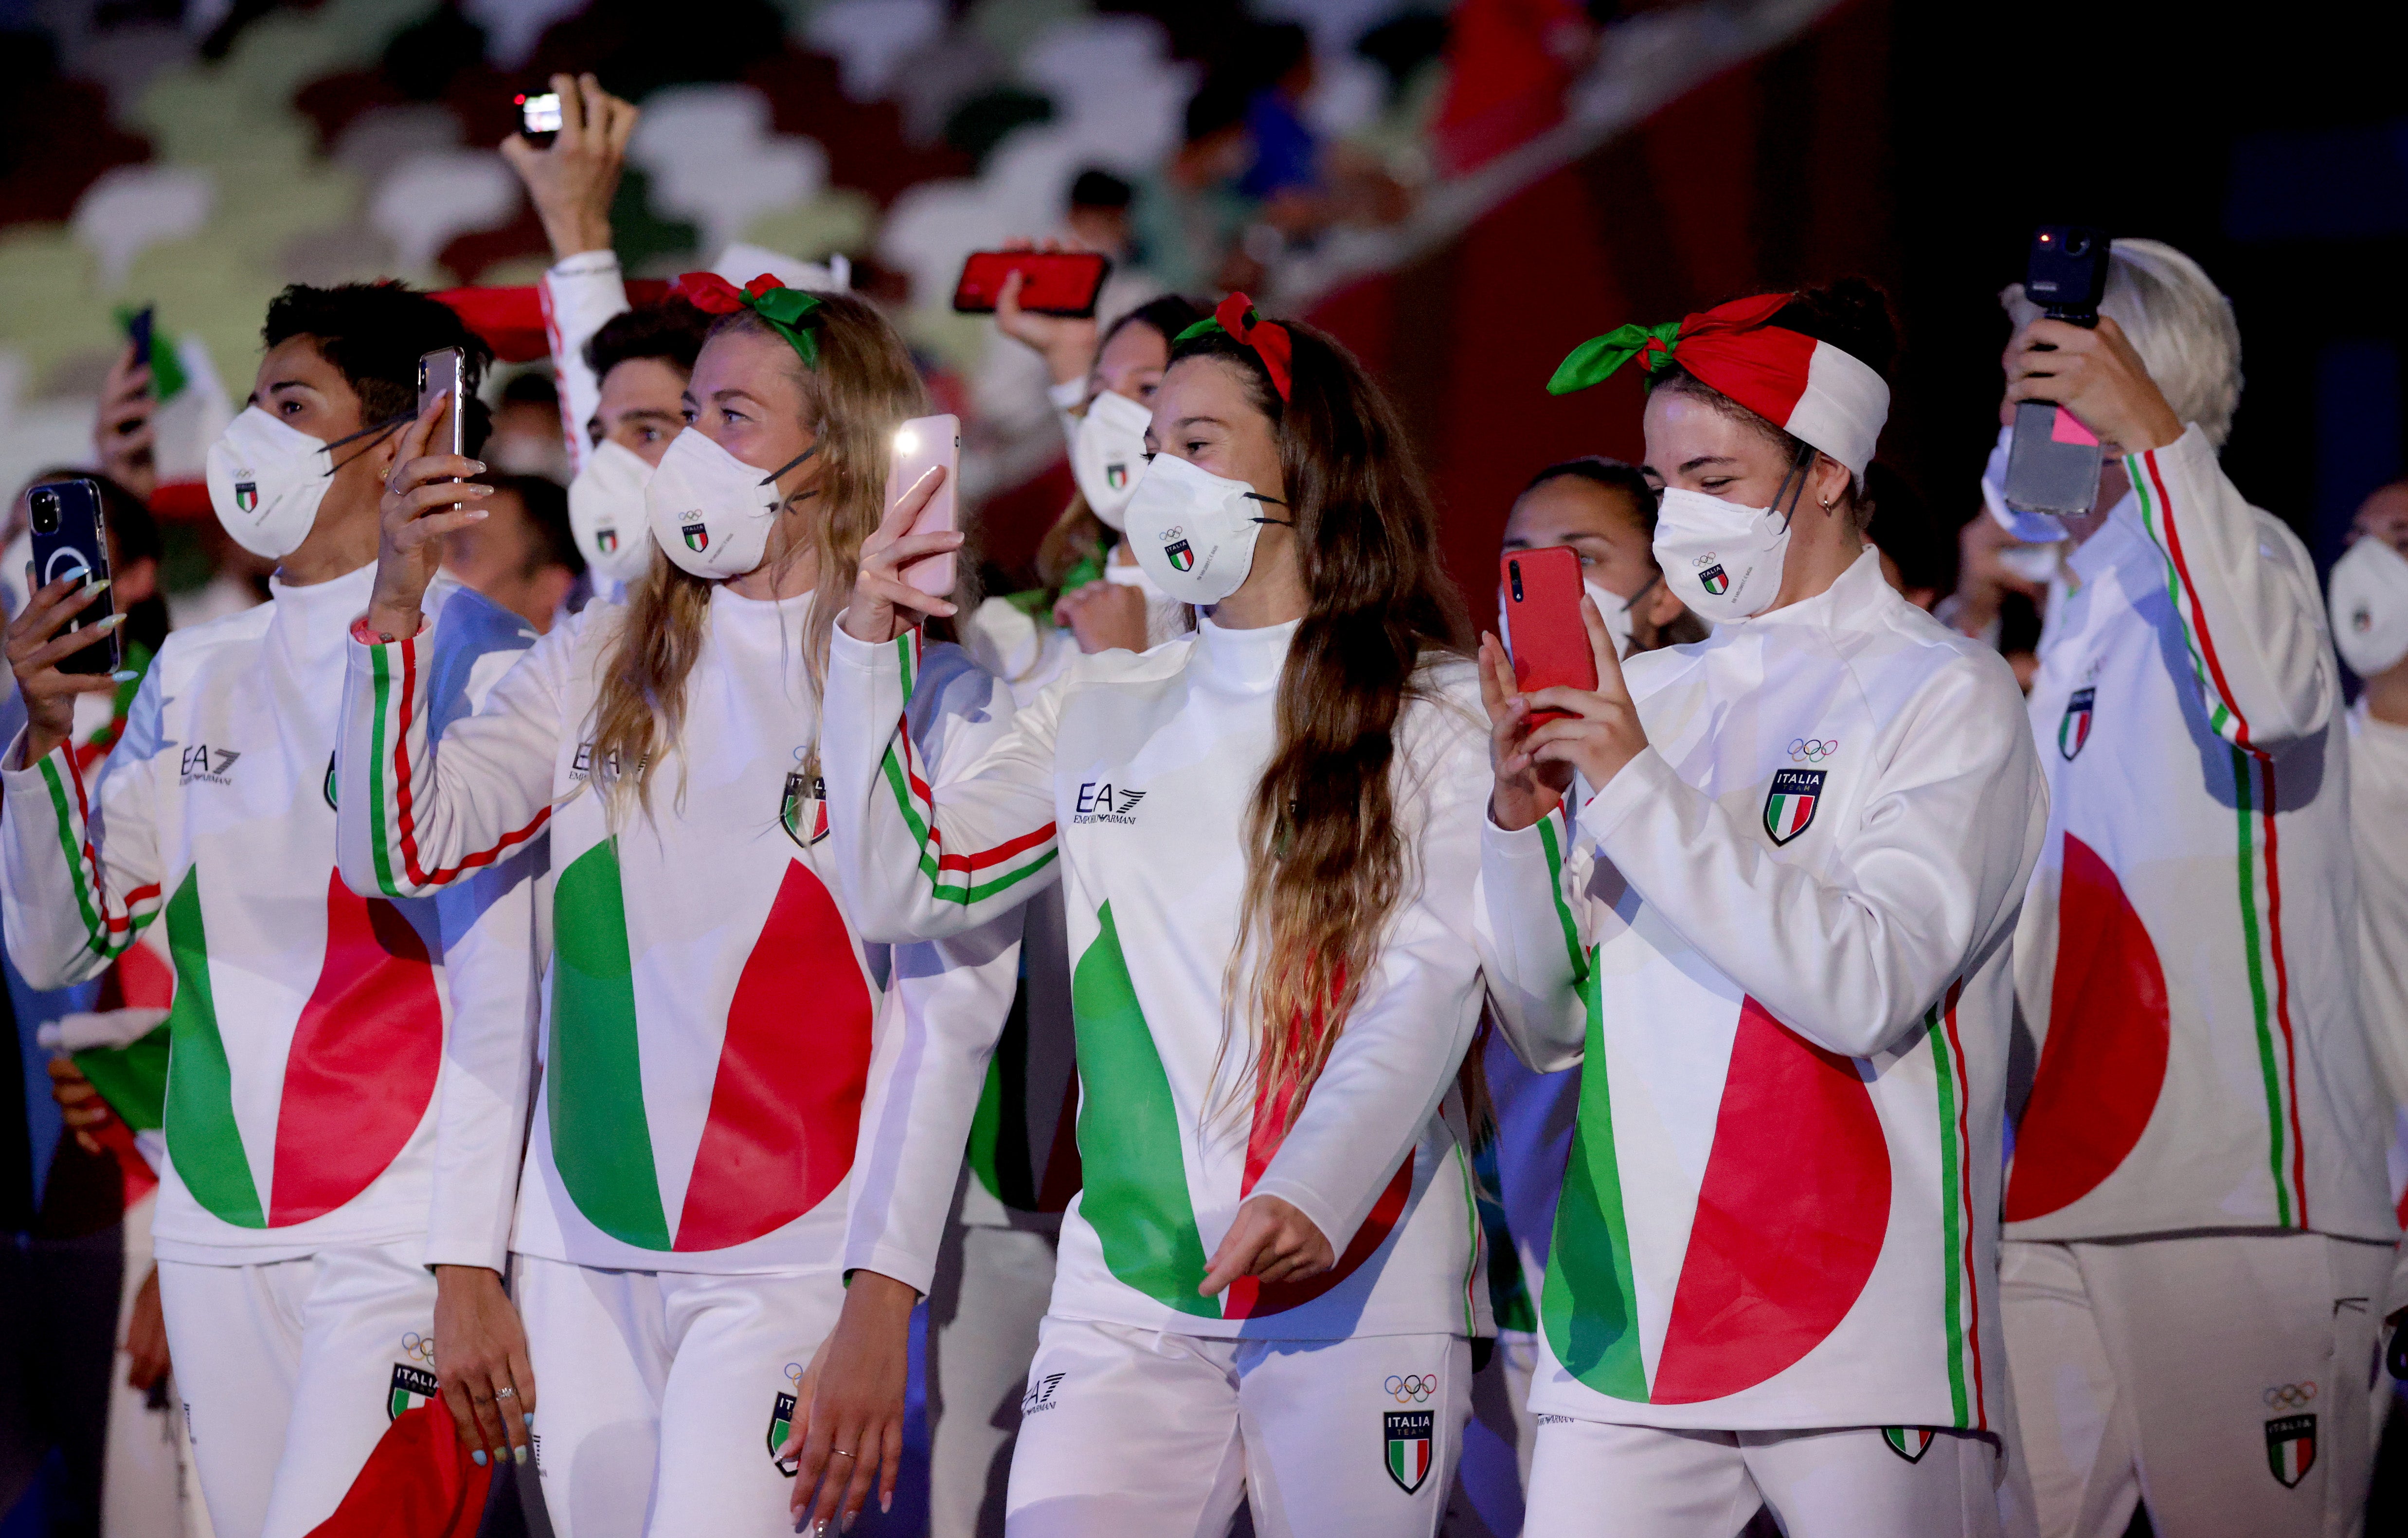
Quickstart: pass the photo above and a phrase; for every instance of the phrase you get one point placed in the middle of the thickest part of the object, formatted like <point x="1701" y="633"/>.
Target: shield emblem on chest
<point x="1789" y="805"/>
<point x="2290" y="1448"/>
<point x="802" y="811"/>
<point x="2074" y="729"/>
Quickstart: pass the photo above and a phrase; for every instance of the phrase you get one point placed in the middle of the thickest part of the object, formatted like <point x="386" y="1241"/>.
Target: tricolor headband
<point x="1810" y="388"/>
<point x="1270" y="339"/>
<point x="788" y="311"/>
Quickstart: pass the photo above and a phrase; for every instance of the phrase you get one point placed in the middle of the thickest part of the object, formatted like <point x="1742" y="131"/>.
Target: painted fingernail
<point x="99" y="586"/>
<point x="529" y="1418"/>
<point x="477" y="467"/>
<point x="846" y="1524"/>
<point x="518" y="1455"/>
<point x="125" y="676"/>
<point x="110" y="623"/>
<point x="478" y="1455"/>
<point x="886" y="1503"/>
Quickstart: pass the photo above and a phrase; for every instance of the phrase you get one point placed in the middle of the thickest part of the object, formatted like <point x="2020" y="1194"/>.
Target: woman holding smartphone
<point x="1773" y="924"/>
<point x="752" y="1118"/>
<point x="1264" y="835"/>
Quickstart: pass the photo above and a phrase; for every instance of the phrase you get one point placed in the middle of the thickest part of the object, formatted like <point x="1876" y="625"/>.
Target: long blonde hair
<point x="863" y="389"/>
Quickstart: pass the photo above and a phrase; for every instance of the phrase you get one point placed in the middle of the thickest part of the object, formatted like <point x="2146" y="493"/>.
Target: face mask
<point x="2369" y="602"/>
<point x="712" y="511"/>
<point x="1194" y="531"/>
<point x="605" y="512"/>
<point x="1722" y="559"/>
<point x="1165" y="617"/>
<point x="1108" y="453"/>
<point x="266" y="478"/>
<point x="2031" y="528"/>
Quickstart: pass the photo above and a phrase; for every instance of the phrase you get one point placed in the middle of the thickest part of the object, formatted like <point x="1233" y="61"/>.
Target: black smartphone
<point x="71" y="539"/>
<point x="137" y="331"/>
<point x="539" y="118"/>
<point x="2053" y="460"/>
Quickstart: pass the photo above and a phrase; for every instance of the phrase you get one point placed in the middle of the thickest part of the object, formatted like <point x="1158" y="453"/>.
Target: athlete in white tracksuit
<point x="308" y="1038"/>
<point x="1776" y="940"/>
<point x="1332" y="1402"/>
<point x="2199" y="1235"/>
<point x="744" y="1105"/>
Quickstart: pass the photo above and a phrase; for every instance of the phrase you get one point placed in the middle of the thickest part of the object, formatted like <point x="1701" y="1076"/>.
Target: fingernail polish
<point x="477" y="1455"/>
<point x="529" y="1418"/>
<point x="125" y="676"/>
<point x="478" y="466"/>
<point x="518" y="1454"/>
<point x="885" y="1504"/>
<point x="846" y="1524"/>
<point x="110" y="623"/>
<point x="96" y="587"/>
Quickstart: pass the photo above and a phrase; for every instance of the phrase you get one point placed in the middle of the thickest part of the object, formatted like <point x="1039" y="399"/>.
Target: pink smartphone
<point x="920" y="444"/>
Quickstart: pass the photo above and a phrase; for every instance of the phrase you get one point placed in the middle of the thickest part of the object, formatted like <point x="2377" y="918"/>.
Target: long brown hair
<point x="863" y="389"/>
<point x="1328" y="860"/>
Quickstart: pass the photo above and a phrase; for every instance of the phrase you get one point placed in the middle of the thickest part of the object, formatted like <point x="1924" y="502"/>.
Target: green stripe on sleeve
<point x="1951" y="1202"/>
<point x="2244" y="800"/>
<point x="1556" y="892"/>
<point x="601" y="1138"/>
<point x="95" y="927"/>
<point x="204" y="1141"/>
<point x="380" y="662"/>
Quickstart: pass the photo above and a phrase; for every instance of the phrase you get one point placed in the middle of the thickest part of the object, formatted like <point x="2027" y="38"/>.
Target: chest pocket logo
<point x="2074" y="729"/>
<point x="1789" y="805"/>
<point x="802" y="811"/>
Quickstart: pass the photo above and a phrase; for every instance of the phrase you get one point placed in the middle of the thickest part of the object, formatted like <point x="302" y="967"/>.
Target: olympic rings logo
<point x="2291" y="1395"/>
<point x="795" y="1374"/>
<point x="1811" y="750"/>
<point x="419" y="1347"/>
<point x="1703" y="561"/>
<point x="1413" y="1388"/>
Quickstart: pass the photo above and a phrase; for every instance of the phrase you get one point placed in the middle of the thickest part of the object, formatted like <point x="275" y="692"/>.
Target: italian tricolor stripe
<point x="2259" y="874"/>
<point x="109" y="926"/>
<point x="397" y="747"/>
<point x="1962" y="1305"/>
<point x="955" y="875"/>
<point x="2157" y="515"/>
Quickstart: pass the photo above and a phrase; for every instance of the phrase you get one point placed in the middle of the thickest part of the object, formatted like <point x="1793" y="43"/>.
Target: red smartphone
<point x="920" y="444"/>
<point x="1058" y="282"/>
<point x="1543" y="630"/>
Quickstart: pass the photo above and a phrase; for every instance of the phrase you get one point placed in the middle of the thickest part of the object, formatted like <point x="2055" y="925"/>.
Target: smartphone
<point x="539" y="118"/>
<point x="71" y="539"/>
<point x="1058" y="282"/>
<point x="444" y="372"/>
<point x="137" y="331"/>
<point x="921" y="444"/>
<point x="2053" y="460"/>
<point x="1544" y="634"/>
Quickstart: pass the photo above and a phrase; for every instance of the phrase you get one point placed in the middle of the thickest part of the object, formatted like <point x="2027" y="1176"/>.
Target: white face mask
<point x="1723" y="559"/>
<point x="1613" y="605"/>
<point x="1108" y="455"/>
<point x="266" y="479"/>
<point x="1165" y="617"/>
<point x="1194" y="531"/>
<point x="2031" y="528"/>
<point x="2369" y="602"/>
<point x="605" y="512"/>
<point x="712" y="511"/>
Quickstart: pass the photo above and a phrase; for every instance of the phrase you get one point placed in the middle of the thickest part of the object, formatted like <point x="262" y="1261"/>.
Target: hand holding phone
<point x="921" y="445"/>
<point x="539" y="118"/>
<point x="1544" y="634"/>
<point x="70" y="539"/>
<point x="2053" y="460"/>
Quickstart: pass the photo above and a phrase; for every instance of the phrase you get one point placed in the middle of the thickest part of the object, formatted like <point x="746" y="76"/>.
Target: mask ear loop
<point x="1797" y="473"/>
<point x="1632" y="602"/>
<point x="772" y="478"/>
<point x="1276" y="502"/>
<point x="382" y="430"/>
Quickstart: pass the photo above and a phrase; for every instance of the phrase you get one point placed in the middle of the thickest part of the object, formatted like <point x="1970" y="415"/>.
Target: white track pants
<point x="657" y="1394"/>
<point x="288" y="1372"/>
<point x="1494" y="1481"/>
<point x="147" y="1488"/>
<point x="1127" y="1431"/>
<point x="992" y="1286"/>
<point x="2225" y="1379"/>
<point x="1592" y="1480"/>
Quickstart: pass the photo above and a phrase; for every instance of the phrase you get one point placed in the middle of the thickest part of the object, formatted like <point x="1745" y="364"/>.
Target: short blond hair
<point x="2179" y="322"/>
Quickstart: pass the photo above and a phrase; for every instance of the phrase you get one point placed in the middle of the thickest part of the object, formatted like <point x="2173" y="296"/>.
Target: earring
<point x="1826" y="505"/>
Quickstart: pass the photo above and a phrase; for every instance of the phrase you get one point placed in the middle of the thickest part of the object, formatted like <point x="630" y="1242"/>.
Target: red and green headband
<point x="1812" y="391"/>
<point x="788" y="311"/>
<point x="1236" y="318"/>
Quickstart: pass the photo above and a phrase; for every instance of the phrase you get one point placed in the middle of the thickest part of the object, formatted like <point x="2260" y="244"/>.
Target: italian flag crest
<point x="1181" y="558"/>
<point x="2290" y="1448"/>
<point x="2074" y="729"/>
<point x="697" y="538"/>
<point x="1789" y="805"/>
<point x="781" y="1425"/>
<point x="1909" y="1442"/>
<point x="802" y="811"/>
<point x="1715" y="580"/>
<point x="246" y="495"/>
<point x="411" y="1387"/>
<point x="1116" y="475"/>
<point x="1406" y="1438"/>
<point x="608" y="539"/>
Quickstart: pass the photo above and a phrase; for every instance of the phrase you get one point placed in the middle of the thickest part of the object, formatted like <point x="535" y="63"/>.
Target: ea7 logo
<point x="204" y="762"/>
<point x="1098" y="802"/>
<point x="1039" y="1397"/>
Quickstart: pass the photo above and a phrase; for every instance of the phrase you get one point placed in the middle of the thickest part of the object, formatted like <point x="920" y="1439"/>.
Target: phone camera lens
<point x="46" y="512"/>
<point x="1514" y="567"/>
<point x="2078" y="245"/>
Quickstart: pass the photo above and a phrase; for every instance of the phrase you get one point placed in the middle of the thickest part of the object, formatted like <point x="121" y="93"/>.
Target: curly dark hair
<point x="671" y="330"/>
<point x="373" y="334"/>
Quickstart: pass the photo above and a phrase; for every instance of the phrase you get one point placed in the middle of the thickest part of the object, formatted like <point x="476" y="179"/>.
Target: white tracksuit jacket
<point x="579" y="294"/>
<point x="2378" y="825"/>
<point x="311" y="1027"/>
<point x="733" y="1081"/>
<point x="1136" y="769"/>
<point x="1777" y="942"/>
<point x="2186" y="960"/>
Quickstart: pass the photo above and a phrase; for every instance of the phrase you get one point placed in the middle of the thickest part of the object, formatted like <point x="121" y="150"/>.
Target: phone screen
<point x="539" y="118"/>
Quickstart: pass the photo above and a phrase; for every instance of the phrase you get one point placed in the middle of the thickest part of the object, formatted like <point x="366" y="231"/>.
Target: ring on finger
<point x="839" y="1452"/>
<point x="506" y="1391"/>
